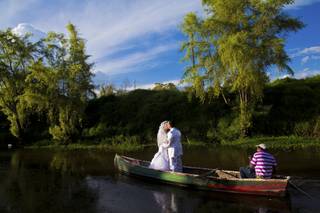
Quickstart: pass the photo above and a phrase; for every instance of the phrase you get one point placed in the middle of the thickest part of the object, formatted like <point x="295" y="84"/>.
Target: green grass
<point x="83" y="145"/>
<point x="282" y="142"/>
<point x="77" y="146"/>
<point x="194" y="143"/>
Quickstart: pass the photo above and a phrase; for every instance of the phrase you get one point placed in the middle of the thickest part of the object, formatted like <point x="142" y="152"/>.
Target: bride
<point x="160" y="160"/>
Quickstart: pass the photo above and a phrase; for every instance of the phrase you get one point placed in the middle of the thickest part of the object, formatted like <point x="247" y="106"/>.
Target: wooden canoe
<point x="205" y="178"/>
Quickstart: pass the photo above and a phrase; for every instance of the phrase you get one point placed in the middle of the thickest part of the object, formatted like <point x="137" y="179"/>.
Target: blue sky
<point x="138" y="40"/>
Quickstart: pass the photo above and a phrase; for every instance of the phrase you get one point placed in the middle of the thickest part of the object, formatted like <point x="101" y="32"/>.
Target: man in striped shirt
<point x="262" y="162"/>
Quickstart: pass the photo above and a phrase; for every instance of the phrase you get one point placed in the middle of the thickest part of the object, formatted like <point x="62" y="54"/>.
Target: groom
<point x="174" y="147"/>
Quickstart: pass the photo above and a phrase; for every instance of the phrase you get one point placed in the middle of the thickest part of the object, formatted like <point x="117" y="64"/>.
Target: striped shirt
<point x="263" y="163"/>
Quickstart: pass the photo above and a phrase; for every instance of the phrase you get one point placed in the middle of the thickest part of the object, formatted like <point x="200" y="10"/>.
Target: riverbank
<point x="121" y="147"/>
<point x="110" y="147"/>
<point x="283" y="142"/>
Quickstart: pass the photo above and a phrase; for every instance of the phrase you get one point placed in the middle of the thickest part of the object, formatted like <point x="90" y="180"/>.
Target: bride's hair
<point x="162" y="135"/>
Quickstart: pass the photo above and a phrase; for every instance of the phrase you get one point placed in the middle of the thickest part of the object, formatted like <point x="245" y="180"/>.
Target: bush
<point x="302" y="129"/>
<point x="228" y="128"/>
<point x="121" y="139"/>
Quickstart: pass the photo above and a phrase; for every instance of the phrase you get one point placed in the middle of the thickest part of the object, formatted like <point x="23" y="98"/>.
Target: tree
<point x="60" y="84"/>
<point x="77" y="88"/>
<point x="161" y="86"/>
<point x="16" y="54"/>
<point x="234" y="46"/>
<point x="107" y="89"/>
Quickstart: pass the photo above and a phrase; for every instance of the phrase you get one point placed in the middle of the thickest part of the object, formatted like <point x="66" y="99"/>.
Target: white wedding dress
<point x="160" y="160"/>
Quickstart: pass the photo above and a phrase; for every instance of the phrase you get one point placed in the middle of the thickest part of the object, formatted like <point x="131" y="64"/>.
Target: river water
<point x="86" y="181"/>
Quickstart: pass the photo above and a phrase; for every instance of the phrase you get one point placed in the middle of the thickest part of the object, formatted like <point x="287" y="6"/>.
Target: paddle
<point x="300" y="190"/>
<point x="208" y="173"/>
<point x="227" y="174"/>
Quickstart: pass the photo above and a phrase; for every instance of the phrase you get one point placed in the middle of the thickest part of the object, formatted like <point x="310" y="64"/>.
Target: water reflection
<point x="30" y="186"/>
<point x="175" y="199"/>
<point x="79" y="162"/>
<point x="166" y="202"/>
<point x="85" y="181"/>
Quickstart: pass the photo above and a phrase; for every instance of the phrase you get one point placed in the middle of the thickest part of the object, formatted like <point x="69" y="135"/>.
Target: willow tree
<point x="75" y="87"/>
<point x="16" y="54"/>
<point x="60" y="84"/>
<point x="233" y="46"/>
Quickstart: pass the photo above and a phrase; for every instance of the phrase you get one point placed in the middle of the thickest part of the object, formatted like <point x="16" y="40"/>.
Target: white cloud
<point x="301" y="74"/>
<point x="110" y="25"/>
<point x="307" y="72"/>
<point x="305" y="59"/>
<point x="150" y="86"/>
<point x="24" y="28"/>
<point x="132" y="62"/>
<point x="310" y="50"/>
<point x="306" y="51"/>
<point x="282" y="77"/>
<point x="142" y="86"/>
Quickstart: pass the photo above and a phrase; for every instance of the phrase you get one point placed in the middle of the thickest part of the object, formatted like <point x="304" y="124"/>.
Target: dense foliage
<point x="290" y="107"/>
<point x="140" y="112"/>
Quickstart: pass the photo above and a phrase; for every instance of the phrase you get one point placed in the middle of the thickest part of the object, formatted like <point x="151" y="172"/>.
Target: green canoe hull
<point x="197" y="178"/>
